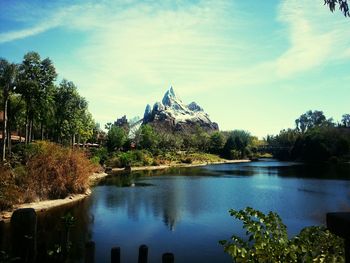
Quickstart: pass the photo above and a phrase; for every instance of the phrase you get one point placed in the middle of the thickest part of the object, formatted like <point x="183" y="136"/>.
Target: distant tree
<point x="346" y="120"/>
<point x="8" y="74"/>
<point x="116" y="137"/>
<point x="237" y="144"/>
<point x="217" y="142"/>
<point x="312" y="119"/>
<point x="169" y="141"/>
<point x="147" y="137"/>
<point x="108" y="125"/>
<point x="342" y="4"/>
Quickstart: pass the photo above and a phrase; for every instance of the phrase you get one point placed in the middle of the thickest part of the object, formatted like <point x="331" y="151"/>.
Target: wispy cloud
<point x="135" y="49"/>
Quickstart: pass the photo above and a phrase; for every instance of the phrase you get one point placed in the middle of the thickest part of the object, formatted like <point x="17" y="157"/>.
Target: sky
<point x="253" y="65"/>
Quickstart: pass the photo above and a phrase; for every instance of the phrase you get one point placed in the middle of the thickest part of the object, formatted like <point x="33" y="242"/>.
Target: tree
<point x="237" y="144"/>
<point x="346" y="120"/>
<point x="343" y="6"/>
<point x="116" y="137"/>
<point x="312" y="119"/>
<point x="71" y="114"/>
<point x="36" y="79"/>
<point x="8" y="73"/>
<point x="217" y="142"/>
<point x="44" y="102"/>
<point x="147" y="137"/>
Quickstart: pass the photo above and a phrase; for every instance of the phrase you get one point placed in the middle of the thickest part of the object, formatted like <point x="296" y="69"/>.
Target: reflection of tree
<point x="51" y="229"/>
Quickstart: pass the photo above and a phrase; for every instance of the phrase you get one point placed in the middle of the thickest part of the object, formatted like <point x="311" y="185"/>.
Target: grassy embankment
<point x="46" y="171"/>
<point x="43" y="171"/>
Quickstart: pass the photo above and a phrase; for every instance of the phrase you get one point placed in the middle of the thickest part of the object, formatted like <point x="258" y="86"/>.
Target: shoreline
<point x="178" y="165"/>
<point x="45" y="205"/>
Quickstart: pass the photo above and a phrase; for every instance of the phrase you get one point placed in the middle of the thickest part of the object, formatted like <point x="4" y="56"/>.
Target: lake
<point x="185" y="210"/>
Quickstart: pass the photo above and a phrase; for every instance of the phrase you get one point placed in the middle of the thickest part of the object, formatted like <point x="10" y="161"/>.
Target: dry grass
<point x="9" y="192"/>
<point x="50" y="172"/>
<point x="55" y="171"/>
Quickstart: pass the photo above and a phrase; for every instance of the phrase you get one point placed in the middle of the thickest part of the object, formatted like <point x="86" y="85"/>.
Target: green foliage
<point x="237" y="145"/>
<point x="217" y="142"/>
<point x="312" y="119"/>
<point x="268" y="241"/>
<point x="99" y="155"/>
<point x="315" y="139"/>
<point x="131" y="158"/>
<point x="71" y="115"/>
<point x="116" y="138"/>
<point x="147" y="138"/>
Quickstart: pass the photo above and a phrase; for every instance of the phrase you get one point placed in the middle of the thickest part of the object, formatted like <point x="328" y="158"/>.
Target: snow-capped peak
<point x="172" y="108"/>
<point x="170" y="97"/>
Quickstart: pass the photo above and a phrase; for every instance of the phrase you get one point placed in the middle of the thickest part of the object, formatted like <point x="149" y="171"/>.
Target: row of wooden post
<point x="24" y="235"/>
<point x="115" y="254"/>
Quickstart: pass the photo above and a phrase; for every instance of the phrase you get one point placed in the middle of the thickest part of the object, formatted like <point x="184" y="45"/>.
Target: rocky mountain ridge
<point x="171" y="114"/>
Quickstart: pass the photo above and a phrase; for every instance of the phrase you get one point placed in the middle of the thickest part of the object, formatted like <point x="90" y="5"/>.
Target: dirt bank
<point x="42" y="206"/>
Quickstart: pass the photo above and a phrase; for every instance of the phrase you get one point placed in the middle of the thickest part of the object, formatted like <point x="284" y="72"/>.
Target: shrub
<point x="54" y="171"/>
<point x="99" y="154"/>
<point x="9" y="191"/>
<point x="131" y="158"/>
<point x="268" y="241"/>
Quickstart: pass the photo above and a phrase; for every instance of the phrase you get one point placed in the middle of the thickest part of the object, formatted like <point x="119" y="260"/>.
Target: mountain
<point x="173" y="115"/>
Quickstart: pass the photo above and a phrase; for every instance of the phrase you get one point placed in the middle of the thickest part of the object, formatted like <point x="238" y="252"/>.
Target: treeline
<point x="237" y="144"/>
<point x="314" y="139"/>
<point x="33" y="106"/>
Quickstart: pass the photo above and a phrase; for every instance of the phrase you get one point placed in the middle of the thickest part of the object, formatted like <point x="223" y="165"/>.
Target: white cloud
<point x="134" y="50"/>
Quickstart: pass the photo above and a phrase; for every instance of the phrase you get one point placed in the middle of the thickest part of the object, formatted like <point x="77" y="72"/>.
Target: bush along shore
<point x="44" y="171"/>
<point x="43" y="175"/>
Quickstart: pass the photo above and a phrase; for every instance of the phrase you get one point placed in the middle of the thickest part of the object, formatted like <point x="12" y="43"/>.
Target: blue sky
<point x="253" y="65"/>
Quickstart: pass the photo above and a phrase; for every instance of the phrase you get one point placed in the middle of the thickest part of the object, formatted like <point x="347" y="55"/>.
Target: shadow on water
<point x="123" y="180"/>
<point x="51" y="231"/>
<point x="184" y="210"/>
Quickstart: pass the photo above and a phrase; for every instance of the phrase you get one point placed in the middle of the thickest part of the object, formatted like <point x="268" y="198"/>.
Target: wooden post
<point x="115" y="255"/>
<point x="168" y="258"/>
<point x="339" y="224"/>
<point x="143" y="254"/>
<point x="23" y="230"/>
<point x="90" y="252"/>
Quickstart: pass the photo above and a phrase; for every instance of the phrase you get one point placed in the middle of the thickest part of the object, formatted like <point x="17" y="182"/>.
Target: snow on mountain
<point x="176" y="115"/>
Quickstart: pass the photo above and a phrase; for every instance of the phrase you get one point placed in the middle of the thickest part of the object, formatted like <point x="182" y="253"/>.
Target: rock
<point x="194" y="107"/>
<point x="148" y="113"/>
<point x="173" y="115"/>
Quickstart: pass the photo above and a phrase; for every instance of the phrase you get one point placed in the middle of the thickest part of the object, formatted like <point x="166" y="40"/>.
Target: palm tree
<point x="8" y="72"/>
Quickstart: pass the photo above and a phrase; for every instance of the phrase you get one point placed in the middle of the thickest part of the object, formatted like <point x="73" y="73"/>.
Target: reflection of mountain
<point x="166" y="202"/>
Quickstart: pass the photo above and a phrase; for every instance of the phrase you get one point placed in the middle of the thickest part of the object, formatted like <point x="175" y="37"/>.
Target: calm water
<point x="185" y="211"/>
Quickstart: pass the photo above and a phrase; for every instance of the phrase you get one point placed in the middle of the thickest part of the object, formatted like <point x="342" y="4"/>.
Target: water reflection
<point x="184" y="210"/>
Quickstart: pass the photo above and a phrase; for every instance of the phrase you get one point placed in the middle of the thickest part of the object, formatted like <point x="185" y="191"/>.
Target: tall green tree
<point x="312" y="119"/>
<point x="8" y="73"/>
<point x="36" y="79"/>
<point x="70" y="113"/>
